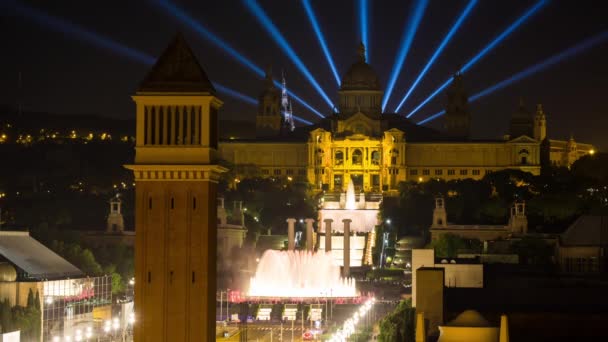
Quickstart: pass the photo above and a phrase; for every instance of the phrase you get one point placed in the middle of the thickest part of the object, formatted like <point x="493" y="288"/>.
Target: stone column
<point x="328" y="234"/>
<point x="420" y="329"/>
<point x="346" y="269"/>
<point x="291" y="238"/>
<point x="504" y="329"/>
<point x="309" y="240"/>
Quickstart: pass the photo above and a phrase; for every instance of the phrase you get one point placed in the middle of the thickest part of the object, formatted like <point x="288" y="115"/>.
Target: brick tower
<point x="176" y="200"/>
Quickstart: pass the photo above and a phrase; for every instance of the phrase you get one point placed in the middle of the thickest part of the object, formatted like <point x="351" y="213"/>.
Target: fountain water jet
<point x="350" y="196"/>
<point x="299" y="274"/>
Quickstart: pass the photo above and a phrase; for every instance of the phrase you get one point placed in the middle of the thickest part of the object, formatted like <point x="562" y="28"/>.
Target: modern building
<point x="583" y="246"/>
<point x="457" y="273"/>
<point x="377" y="150"/>
<point x="68" y="299"/>
<point x="176" y="175"/>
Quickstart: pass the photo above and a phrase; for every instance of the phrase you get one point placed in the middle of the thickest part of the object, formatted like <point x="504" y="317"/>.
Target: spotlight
<point x="79" y="33"/>
<point x="274" y="32"/>
<point x="486" y="50"/>
<point x="315" y="26"/>
<point x="406" y="42"/>
<point x="568" y="53"/>
<point x="203" y="32"/>
<point x="444" y="42"/>
<point x="363" y="19"/>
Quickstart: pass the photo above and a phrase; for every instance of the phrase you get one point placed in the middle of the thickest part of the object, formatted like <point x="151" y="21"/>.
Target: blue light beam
<point x="203" y="32"/>
<point x="274" y="32"/>
<point x="247" y="99"/>
<point x="568" y="53"/>
<point x="301" y="120"/>
<point x="315" y="26"/>
<point x="406" y="42"/>
<point x="235" y="94"/>
<point x="529" y="13"/>
<point x="100" y="41"/>
<point x="446" y="39"/>
<point x="80" y="33"/>
<point x="363" y="26"/>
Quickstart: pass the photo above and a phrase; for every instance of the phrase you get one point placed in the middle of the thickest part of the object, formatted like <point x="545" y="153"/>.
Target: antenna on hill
<point x="286" y="106"/>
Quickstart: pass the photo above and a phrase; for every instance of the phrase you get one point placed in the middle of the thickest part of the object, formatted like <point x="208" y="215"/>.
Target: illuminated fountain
<point x="363" y="213"/>
<point x="351" y="203"/>
<point x="299" y="274"/>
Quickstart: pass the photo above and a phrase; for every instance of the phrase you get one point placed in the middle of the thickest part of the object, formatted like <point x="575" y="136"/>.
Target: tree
<point x="5" y="316"/>
<point x="448" y="245"/>
<point x="30" y="299"/>
<point x="117" y="284"/>
<point x="37" y="300"/>
<point x="533" y="251"/>
<point x="400" y="324"/>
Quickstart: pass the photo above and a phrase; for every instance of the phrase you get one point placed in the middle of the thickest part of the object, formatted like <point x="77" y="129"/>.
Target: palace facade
<point x="379" y="150"/>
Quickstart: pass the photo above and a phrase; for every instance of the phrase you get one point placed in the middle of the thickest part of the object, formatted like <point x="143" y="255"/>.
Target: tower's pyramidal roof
<point x="177" y="70"/>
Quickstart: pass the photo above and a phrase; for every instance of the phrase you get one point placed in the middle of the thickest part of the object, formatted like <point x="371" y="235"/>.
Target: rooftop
<point x="33" y="258"/>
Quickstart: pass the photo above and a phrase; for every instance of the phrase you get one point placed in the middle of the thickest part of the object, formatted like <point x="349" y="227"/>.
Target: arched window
<point x="357" y="157"/>
<point x="523" y="155"/>
<point x="376" y="158"/>
<point x="339" y="157"/>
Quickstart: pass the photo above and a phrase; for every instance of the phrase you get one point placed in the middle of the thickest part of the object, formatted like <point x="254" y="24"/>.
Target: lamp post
<point x="221" y="305"/>
<point x="227" y="307"/>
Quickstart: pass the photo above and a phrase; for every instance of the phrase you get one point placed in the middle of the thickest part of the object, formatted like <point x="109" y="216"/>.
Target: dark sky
<point x="61" y="74"/>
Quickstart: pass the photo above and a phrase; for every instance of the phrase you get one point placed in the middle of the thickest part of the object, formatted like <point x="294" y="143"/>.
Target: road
<point x="266" y="332"/>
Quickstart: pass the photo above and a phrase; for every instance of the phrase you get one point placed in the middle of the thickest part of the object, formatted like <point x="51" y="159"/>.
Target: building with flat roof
<point x="67" y="297"/>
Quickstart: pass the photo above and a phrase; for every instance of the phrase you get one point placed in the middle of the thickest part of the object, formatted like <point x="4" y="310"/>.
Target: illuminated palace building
<point x="378" y="150"/>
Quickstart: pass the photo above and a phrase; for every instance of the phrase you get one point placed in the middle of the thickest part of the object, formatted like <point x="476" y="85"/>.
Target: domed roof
<point x="360" y="75"/>
<point x="469" y="318"/>
<point x="7" y="272"/>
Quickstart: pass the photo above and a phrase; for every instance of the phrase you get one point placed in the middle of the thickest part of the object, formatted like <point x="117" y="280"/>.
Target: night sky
<point x="61" y="74"/>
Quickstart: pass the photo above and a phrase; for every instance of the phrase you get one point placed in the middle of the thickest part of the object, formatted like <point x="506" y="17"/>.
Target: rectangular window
<point x="302" y="172"/>
<point x="289" y="172"/>
<point x="451" y="172"/>
<point x="375" y="180"/>
<point x="464" y="172"/>
<point x="438" y="172"/>
<point x="277" y="172"/>
<point x="476" y="172"/>
<point x="213" y="127"/>
<point x="265" y="172"/>
<point x="413" y="172"/>
<point x="426" y="172"/>
<point x="338" y="182"/>
<point x="487" y="172"/>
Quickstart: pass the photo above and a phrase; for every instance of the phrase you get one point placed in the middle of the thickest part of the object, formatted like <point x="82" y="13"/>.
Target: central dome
<point x="360" y="76"/>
